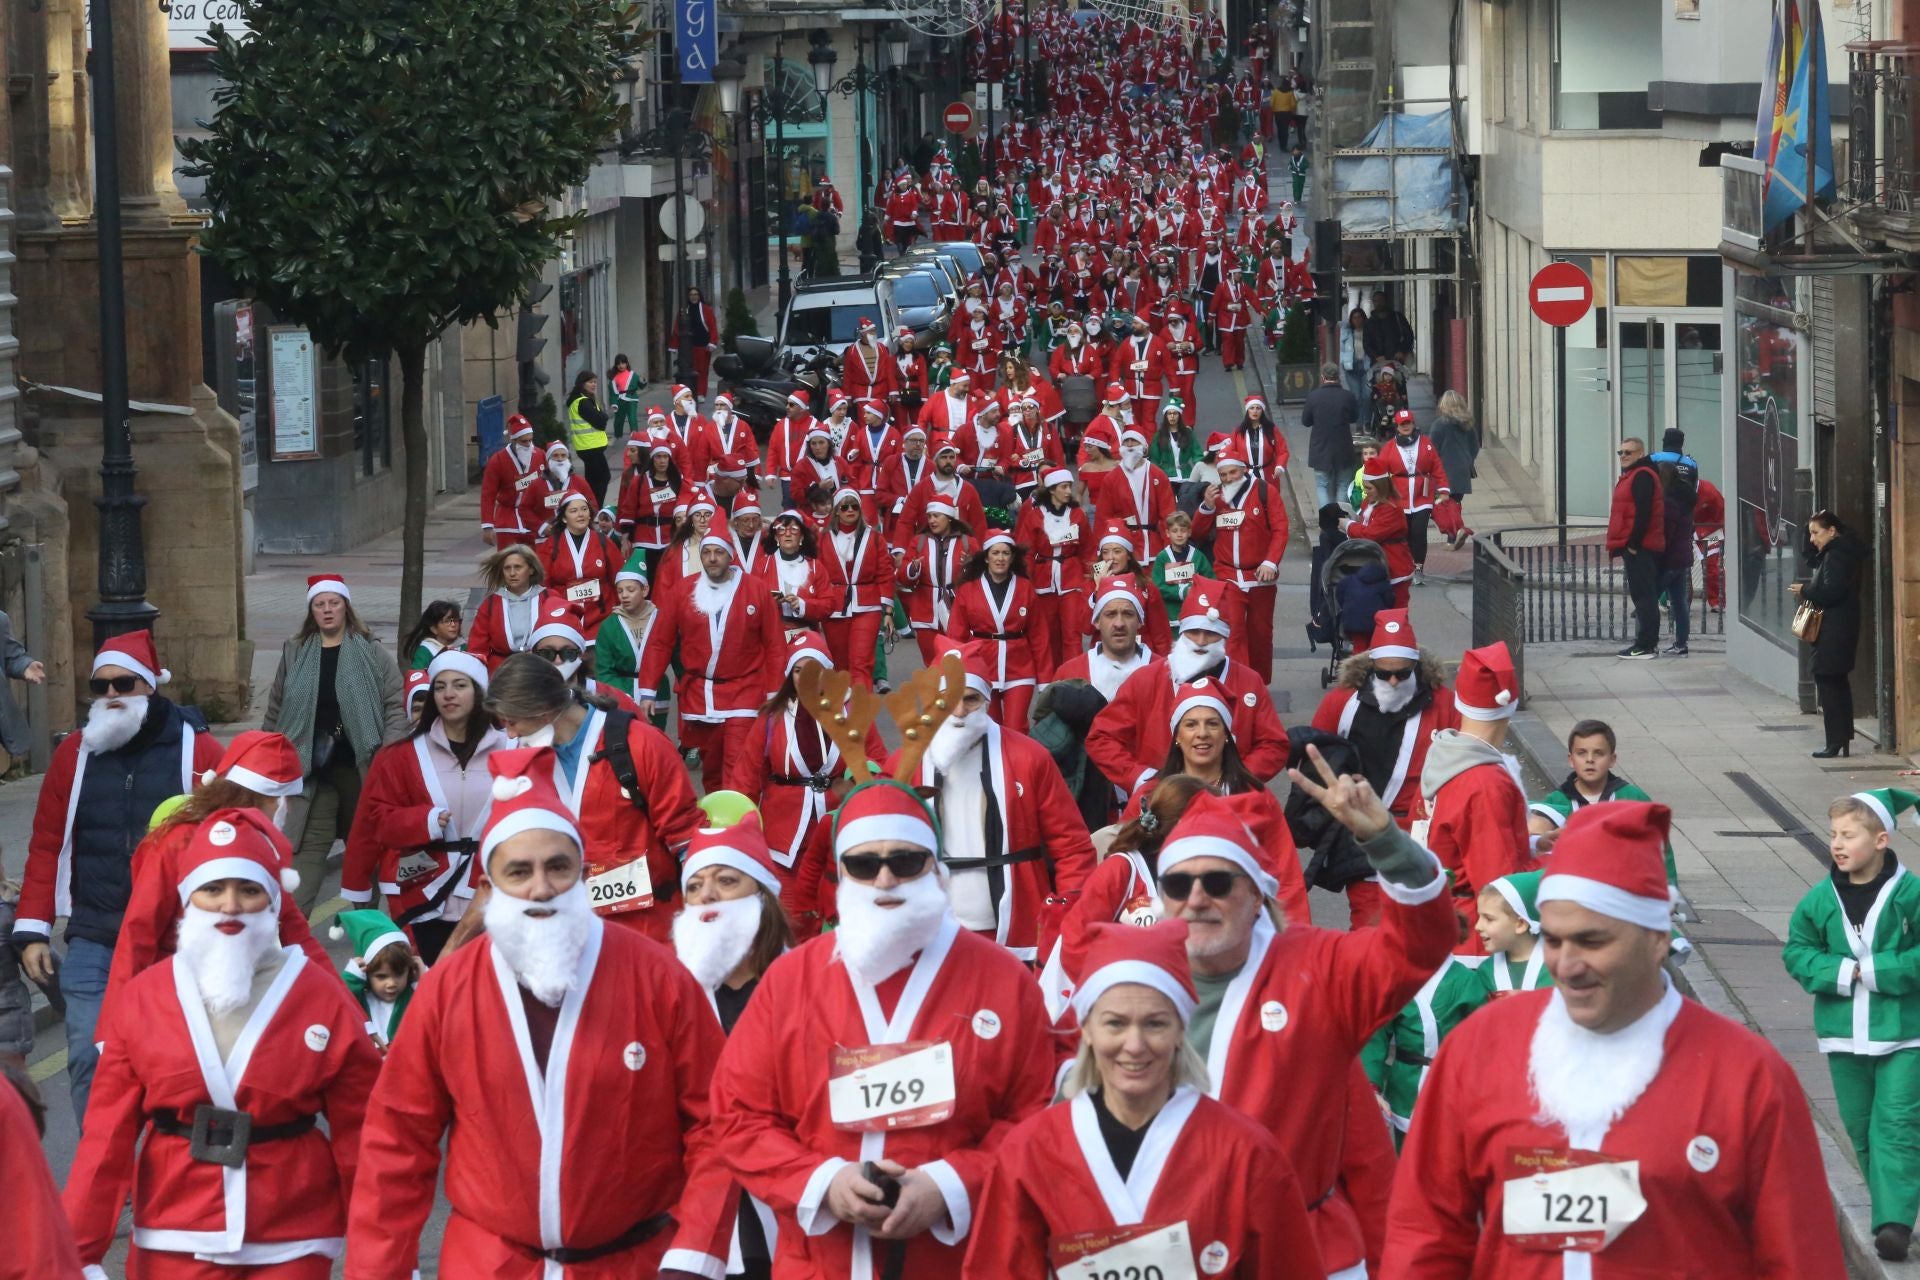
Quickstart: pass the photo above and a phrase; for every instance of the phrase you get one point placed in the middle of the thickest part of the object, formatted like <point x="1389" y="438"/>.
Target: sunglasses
<point x="119" y="684"/>
<point x="567" y="654"/>
<point x="1393" y="677"/>
<point x="904" y="863"/>
<point x="1177" y="886"/>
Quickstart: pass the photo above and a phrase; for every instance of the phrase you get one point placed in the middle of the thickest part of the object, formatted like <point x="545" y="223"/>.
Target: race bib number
<point x="1558" y="1201"/>
<point x="662" y="495"/>
<point x="1231" y="520"/>
<point x="584" y="590"/>
<point x="553" y="500"/>
<point x="1180" y="572"/>
<point x="883" y="1087"/>
<point x="520" y="485"/>
<point x="1062" y="539"/>
<point x="418" y="865"/>
<point x="1033" y="458"/>
<point x="613" y="890"/>
<point x="979" y="344"/>
<point x="1138" y="366"/>
<point x="1124" y="1253"/>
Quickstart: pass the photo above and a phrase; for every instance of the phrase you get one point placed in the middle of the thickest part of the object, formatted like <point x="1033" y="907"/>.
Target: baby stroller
<point x="1353" y="585"/>
<point x="1389" y="383"/>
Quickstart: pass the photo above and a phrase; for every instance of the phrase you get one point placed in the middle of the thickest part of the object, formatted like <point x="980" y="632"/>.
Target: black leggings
<point x="594" y="463"/>
<point x="1836" y="708"/>
<point x="1417" y="535"/>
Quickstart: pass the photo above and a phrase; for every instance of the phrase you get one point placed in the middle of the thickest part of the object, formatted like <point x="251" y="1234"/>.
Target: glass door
<point x="1644" y="352"/>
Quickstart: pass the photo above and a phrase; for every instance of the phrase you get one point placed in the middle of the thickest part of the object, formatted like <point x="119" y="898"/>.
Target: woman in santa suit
<point x="540" y="500"/>
<point x="512" y="606"/>
<point x="423" y="807"/>
<point x="648" y="495"/>
<point x="929" y="574"/>
<point x="580" y="561"/>
<point x="859" y="571"/>
<point x="1267" y="452"/>
<point x="818" y="463"/>
<point x="1383" y="520"/>
<point x="1033" y="447"/>
<point x="995" y="602"/>
<point x="1138" y="1172"/>
<point x="1059" y="545"/>
<point x="800" y="584"/>
<point x="680" y="560"/>
<point x="796" y="771"/>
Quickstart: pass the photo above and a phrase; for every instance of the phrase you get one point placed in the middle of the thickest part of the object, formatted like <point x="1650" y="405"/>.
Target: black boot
<point x="1892" y="1240"/>
<point x="1831" y="752"/>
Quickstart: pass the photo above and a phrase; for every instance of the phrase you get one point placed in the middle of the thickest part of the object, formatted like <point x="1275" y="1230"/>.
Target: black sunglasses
<point x="1393" y="677"/>
<point x="557" y="656"/>
<point x="119" y="684"/>
<point x="904" y="863"/>
<point x="1177" y="886"/>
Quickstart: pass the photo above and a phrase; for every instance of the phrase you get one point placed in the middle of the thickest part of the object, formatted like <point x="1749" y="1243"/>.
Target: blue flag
<point x="696" y="37"/>
<point x="1803" y="159"/>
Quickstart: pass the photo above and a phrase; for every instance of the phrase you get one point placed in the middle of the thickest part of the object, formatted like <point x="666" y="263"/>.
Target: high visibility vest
<point x="583" y="434"/>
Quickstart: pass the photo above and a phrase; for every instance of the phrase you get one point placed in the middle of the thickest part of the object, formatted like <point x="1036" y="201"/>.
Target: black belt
<point x="813" y="782"/>
<point x="1412" y="1059"/>
<point x="998" y="860"/>
<point x="219" y="1136"/>
<point x="637" y="1234"/>
<point x="1003" y="635"/>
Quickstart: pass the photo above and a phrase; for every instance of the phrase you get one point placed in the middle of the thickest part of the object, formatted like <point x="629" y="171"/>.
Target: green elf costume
<point x="1177" y="458"/>
<point x="371" y="932"/>
<point x="619" y="641"/>
<point x="1023" y="213"/>
<point x="1855" y="946"/>
<point x="1501" y="975"/>
<point x="1398" y="1056"/>
<point x="1569" y="797"/>
<point x="1173" y="592"/>
<point x="940" y="373"/>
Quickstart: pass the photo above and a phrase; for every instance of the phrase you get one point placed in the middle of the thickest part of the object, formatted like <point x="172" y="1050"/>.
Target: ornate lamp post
<point x="772" y="107"/>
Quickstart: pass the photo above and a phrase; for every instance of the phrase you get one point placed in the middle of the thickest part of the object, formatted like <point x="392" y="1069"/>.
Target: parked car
<point x="921" y="296"/>
<point x="825" y="314"/>
<point x="963" y="253"/>
<point x="949" y="265"/>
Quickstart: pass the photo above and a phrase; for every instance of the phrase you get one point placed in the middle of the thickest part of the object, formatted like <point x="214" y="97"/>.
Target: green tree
<point x="379" y="170"/>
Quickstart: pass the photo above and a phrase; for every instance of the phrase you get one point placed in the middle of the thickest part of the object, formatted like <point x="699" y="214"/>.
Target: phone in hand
<point x="888" y="1184"/>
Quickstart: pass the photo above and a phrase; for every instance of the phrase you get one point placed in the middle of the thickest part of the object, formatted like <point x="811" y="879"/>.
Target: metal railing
<point x="1499" y="590"/>
<point x="1883" y="170"/>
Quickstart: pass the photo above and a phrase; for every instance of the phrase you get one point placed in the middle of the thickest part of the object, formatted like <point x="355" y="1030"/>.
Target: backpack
<point x="1337" y="859"/>
<point x="617" y="750"/>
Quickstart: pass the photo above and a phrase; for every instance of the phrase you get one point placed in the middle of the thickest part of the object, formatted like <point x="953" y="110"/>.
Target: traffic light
<point x="528" y="344"/>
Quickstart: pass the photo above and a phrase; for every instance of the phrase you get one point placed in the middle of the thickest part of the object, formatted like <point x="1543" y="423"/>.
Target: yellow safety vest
<point x="583" y="435"/>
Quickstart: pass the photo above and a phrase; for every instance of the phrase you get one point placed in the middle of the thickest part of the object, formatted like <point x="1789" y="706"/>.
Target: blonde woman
<point x="1457" y="441"/>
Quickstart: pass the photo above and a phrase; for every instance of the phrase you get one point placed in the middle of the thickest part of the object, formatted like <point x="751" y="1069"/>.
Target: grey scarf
<point x="356" y="687"/>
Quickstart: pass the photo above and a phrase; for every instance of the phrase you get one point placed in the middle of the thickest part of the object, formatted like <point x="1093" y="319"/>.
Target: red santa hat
<point x="941" y="507"/>
<point x="866" y="324"/>
<point x="1234" y="454"/>
<point x="134" y="651"/>
<point x="324" y="582"/>
<point x="1218" y="441"/>
<point x="681" y="391"/>
<point x="459" y="662"/>
<point x="999" y="538"/>
<point x="818" y="432"/>
<point x="1213" y="828"/>
<point x="958" y="376"/>
<point x="835" y="398"/>
<point x="1487" y="688"/>
<point x="1118" y="590"/>
<point x="713" y="540"/>
<point x="1200" y="611"/>
<point x="518" y="428"/>
<point x="238" y="844"/>
<point x="875" y="407"/>
<point x="1375" y="468"/>
<point x="1610" y="859"/>
<point x="1201" y="693"/>
<point x="1116" y="394"/>
<point x="804" y="646"/>
<point x="1254" y="401"/>
<point x="1135" y="436"/>
<point x="980" y="658"/>
<point x="844" y="492"/>
<point x="525" y="798"/>
<point x="1393" y="636"/>
<point x="742" y="846"/>
<point x="702" y="502"/>
<point x="1115" y="535"/>
<point x="559" y="621"/>
<point x="883" y="810"/>
<point x="1127" y="955"/>
<point x="1057" y="475"/>
<point x="723" y="401"/>
<point x="915" y="430"/>
<point x="557" y="449"/>
<point x="656" y="414"/>
<point x="798" y="397"/>
<point x="944" y="443"/>
<point x="262" y="761"/>
<point x="418" y="685"/>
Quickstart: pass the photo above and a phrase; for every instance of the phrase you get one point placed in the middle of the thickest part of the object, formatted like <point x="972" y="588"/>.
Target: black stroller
<point x="1351" y="585"/>
<point x="1388" y="382"/>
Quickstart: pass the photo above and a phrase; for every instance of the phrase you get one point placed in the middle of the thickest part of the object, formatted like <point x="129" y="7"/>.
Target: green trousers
<point x="1879" y="1100"/>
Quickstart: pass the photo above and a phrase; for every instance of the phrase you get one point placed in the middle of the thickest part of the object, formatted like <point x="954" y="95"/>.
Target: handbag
<point x="1806" y="623"/>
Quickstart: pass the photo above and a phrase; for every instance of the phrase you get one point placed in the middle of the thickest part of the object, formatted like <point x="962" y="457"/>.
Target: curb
<point x="1529" y="737"/>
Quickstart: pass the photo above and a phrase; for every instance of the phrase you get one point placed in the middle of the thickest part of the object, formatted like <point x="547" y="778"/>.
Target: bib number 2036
<point x="627" y="887"/>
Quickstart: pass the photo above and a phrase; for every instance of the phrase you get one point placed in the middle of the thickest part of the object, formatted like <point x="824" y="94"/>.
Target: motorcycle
<point x="760" y="376"/>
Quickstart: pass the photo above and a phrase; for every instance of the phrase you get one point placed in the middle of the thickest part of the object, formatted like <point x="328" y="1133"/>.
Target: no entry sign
<point x="958" y="117"/>
<point x="1561" y="294"/>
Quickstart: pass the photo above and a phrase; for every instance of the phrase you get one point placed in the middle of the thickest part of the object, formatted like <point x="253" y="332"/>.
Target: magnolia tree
<point x="379" y="170"/>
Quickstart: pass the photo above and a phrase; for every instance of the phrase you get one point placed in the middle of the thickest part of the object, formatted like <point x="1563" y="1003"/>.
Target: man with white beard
<point x="565" y="1066"/>
<point x="877" y="1066"/>
<point x="222" y="1056"/>
<point x="136" y="749"/>
<point x="1606" y="1127"/>
<point x="1130" y="738"/>
<point x="1082" y="686"/>
<point x="508" y="474"/>
<point x="1014" y="835"/>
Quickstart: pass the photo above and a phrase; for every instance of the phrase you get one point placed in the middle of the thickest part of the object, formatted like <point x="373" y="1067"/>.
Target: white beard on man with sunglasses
<point x="873" y="1063"/>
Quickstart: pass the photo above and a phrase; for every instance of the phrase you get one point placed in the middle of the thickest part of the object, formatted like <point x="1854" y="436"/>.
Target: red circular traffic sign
<point x="1561" y="294"/>
<point x="958" y="117"/>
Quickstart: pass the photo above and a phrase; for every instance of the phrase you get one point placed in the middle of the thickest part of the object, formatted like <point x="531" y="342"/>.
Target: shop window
<point x="1760" y="515"/>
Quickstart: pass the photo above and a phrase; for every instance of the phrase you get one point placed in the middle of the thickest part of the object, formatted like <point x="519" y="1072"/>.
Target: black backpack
<point x="617" y="750"/>
<point x="1337" y="859"/>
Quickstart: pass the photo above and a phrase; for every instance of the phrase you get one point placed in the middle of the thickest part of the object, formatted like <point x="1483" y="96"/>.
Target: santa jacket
<point x="79" y="857"/>
<point x="1045" y="836"/>
<point x="153" y="911"/>
<point x="1337" y="710"/>
<point x="645" y="511"/>
<point x="912" y="519"/>
<point x="729" y="444"/>
<point x="1722" y="1136"/>
<point x="787" y="442"/>
<point x="730" y="663"/>
<point x="1249" y="532"/>
<point x="502" y="481"/>
<point x="1472" y="813"/>
<point x="793" y="799"/>
<point x="770" y="1096"/>
<point x="1415" y="486"/>
<point x="866" y="461"/>
<point x="1059" y="550"/>
<point x="39" y="1241"/>
<point x="582" y="573"/>
<point x="1130" y="738"/>
<point x="868" y="375"/>
<point x="862" y="578"/>
<point x="1140" y="364"/>
<point x="1141" y="505"/>
<point x="304" y="1052"/>
<point x="1201" y="1164"/>
<point x="396" y="841"/>
<point x="491" y="640"/>
<point x="540" y="501"/>
<point x="897" y="476"/>
<point x="929" y="577"/>
<point x="1386" y="524"/>
<point x="1020" y="651"/>
<point x="1267" y="451"/>
<point x="612" y="1133"/>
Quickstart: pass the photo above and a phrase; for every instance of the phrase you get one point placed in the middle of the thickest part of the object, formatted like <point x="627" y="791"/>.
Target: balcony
<point x="1878" y="185"/>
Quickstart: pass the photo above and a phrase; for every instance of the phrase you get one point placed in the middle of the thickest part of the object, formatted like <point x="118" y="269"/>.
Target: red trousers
<point x="702" y="362"/>
<point x="1256" y="620"/>
<point x="715" y="743"/>
<point x="1713" y="574"/>
<point x="928" y="638"/>
<point x="1011" y="707"/>
<point x="1062" y="626"/>
<point x="1233" y="348"/>
<point x="1402" y="596"/>
<point x="850" y="641"/>
<point x="159" y="1264"/>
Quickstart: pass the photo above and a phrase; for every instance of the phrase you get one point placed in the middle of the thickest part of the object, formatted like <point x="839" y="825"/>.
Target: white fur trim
<point x="1058" y="475"/>
<point x="1116" y="540"/>
<point x="1880" y="811"/>
<point x="126" y="661"/>
<point x="1109" y="594"/>
<point x="1136" y="973"/>
<point x="1208" y="621"/>
<point x="1000" y="539"/>
<point x="1486" y="713"/>
<point x="521" y="821"/>
<point x="335" y="585"/>
<point x="560" y="630"/>
<point x="391" y="937"/>
<point x="798" y="656"/>
<point x="1607" y="899"/>
<point x="738" y="859"/>
<point x="1394" y="651"/>
<point x="258" y="783"/>
<point x="895" y="827"/>
<point x="1189" y="847"/>
<point x="229" y="869"/>
<point x="1197" y="700"/>
<point x="459" y="662"/>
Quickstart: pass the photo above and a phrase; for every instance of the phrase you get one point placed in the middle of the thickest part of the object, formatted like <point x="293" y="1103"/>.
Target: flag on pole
<point x="1800" y="166"/>
<point x="1773" y="86"/>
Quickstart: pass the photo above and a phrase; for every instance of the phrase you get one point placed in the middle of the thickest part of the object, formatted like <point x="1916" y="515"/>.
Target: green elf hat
<point x="1555" y="811"/>
<point x="370" y="932"/>
<point x="1521" y="891"/>
<point x="1888" y="803"/>
<point x="725" y="808"/>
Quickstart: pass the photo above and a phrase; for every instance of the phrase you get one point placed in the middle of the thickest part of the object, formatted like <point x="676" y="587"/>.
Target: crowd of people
<point x="668" y="954"/>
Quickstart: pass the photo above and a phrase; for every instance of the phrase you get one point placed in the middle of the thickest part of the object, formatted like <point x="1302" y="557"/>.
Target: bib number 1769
<point x="892" y="1093"/>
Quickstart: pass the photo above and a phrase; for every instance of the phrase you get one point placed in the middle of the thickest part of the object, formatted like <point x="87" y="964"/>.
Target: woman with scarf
<point x="337" y="696"/>
<point x="995" y="601"/>
<point x="929" y="574"/>
<point x="512" y="606"/>
<point x="540" y="500"/>
<point x="648" y="494"/>
<point x="1059" y="544"/>
<point x="1267" y="452"/>
<point x="580" y="561"/>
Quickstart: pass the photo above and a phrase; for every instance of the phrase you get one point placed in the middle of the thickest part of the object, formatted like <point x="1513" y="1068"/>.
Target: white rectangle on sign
<point x="1561" y="295"/>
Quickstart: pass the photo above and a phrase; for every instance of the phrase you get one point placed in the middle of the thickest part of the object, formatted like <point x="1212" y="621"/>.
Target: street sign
<point x="671" y="217"/>
<point x="958" y="117"/>
<point x="1561" y="294"/>
<point x="695" y="251"/>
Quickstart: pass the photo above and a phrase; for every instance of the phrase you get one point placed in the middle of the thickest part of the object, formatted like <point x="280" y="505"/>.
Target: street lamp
<point x="822" y="55"/>
<point x="856" y="84"/>
<point x="773" y="107"/>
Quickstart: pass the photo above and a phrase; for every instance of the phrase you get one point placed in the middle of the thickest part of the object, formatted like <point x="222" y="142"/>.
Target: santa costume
<point x="1679" y="1144"/>
<point x="579" y="569"/>
<point x="1059" y="547"/>
<point x="1096" y="666"/>
<point x="1005" y="615"/>
<point x="540" y="500"/>
<point x="1248" y="525"/>
<point x="507" y="475"/>
<point x="544" y="1080"/>
<point x="933" y="486"/>
<point x="1137" y="494"/>
<point x="928" y="575"/>
<point x="207" y="1090"/>
<point x="1383" y="521"/>
<point x="859" y="571"/>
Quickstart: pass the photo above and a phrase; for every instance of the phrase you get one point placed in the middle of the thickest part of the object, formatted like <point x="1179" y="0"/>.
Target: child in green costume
<point x="1592" y="752"/>
<point x="621" y="639"/>
<point x="1854" y="943"/>
<point x="1508" y="923"/>
<point x="382" y="972"/>
<point x="1178" y="564"/>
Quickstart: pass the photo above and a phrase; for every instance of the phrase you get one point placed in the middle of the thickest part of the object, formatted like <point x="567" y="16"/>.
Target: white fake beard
<point x="222" y="966"/>
<point x="877" y="942"/>
<point x="1132" y="456"/>
<point x="955" y="737"/>
<point x="1074" y="341"/>
<point x="110" y="728"/>
<point x="1187" y="660"/>
<point x="561" y="469"/>
<point x="543" y="952"/>
<point x="1391" y="697"/>
<point x="1584" y="1080"/>
<point x="712" y="948"/>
